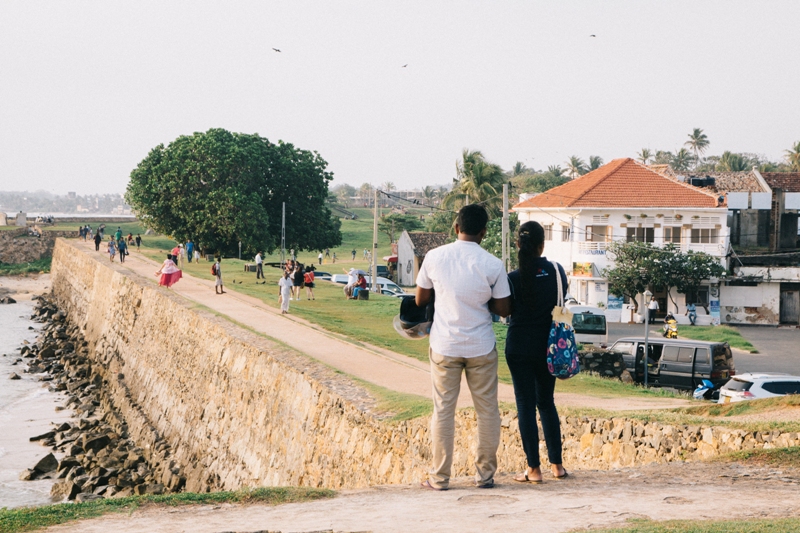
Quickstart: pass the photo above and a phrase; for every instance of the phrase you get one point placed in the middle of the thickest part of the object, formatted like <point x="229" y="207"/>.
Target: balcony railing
<point x="591" y="245"/>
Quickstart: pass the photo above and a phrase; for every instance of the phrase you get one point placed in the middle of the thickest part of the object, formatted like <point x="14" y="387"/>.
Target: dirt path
<point x="375" y="365"/>
<point x="586" y="499"/>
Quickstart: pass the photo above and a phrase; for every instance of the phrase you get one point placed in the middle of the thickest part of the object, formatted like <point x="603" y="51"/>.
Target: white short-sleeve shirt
<point x="464" y="277"/>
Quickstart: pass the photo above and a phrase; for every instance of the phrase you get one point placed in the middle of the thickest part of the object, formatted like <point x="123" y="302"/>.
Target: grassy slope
<point x="727" y="334"/>
<point x="32" y="518"/>
<point x="779" y="525"/>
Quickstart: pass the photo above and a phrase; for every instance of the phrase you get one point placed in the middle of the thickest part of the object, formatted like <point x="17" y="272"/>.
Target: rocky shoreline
<point x="99" y="459"/>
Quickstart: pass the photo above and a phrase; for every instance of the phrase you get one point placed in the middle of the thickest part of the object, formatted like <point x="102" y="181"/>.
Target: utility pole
<point x="506" y="236"/>
<point x="283" y="234"/>
<point x="373" y="271"/>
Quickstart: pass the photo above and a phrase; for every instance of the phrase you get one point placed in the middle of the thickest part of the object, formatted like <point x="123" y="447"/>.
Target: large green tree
<point x="395" y="223"/>
<point x="221" y="188"/>
<point x="479" y="181"/>
<point x="793" y="157"/>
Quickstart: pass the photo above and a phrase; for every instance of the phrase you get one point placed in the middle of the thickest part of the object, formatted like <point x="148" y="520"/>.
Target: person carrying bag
<point x="562" y="350"/>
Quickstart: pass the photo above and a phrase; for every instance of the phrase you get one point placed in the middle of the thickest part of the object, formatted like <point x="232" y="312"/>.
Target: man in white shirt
<point x="259" y="266"/>
<point x="652" y="309"/>
<point x="352" y="279"/>
<point x="469" y="283"/>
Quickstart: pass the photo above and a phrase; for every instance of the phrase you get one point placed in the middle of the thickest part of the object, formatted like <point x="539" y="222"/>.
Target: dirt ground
<point x="586" y="499"/>
<point x="23" y="288"/>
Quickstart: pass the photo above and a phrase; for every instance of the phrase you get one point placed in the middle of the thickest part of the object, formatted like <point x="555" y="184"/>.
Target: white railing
<point x="590" y="245"/>
<point x="715" y="248"/>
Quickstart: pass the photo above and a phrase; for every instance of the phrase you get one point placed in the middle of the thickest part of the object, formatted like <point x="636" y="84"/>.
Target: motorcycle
<point x="705" y="391"/>
<point x="670" y="330"/>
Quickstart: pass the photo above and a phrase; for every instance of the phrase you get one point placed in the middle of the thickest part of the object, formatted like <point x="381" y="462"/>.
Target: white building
<point x="411" y="250"/>
<point x="626" y="201"/>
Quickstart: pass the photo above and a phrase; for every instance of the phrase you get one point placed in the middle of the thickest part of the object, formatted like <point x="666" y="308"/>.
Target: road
<point x="779" y="348"/>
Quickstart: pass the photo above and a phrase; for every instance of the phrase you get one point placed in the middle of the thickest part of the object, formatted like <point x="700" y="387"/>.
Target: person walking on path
<point x="97" y="240"/>
<point x="217" y="270"/>
<point x="319" y="258"/>
<point x="189" y="250"/>
<point x="470" y="284"/>
<point x="285" y="286"/>
<point x="118" y="234"/>
<point x="652" y="309"/>
<point x="112" y="249"/>
<point x="138" y="241"/>
<point x="534" y="295"/>
<point x="259" y="266"/>
<point x="123" y="250"/>
<point x="176" y="254"/>
<point x="308" y="280"/>
<point x="170" y="274"/>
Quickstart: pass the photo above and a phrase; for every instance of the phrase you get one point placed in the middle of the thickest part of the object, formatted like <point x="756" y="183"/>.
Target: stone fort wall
<point x="240" y="410"/>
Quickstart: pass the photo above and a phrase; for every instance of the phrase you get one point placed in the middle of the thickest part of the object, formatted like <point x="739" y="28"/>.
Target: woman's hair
<point x="169" y="256"/>
<point x="530" y="239"/>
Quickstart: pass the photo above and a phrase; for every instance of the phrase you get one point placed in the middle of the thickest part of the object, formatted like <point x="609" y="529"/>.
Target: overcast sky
<point x="88" y="88"/>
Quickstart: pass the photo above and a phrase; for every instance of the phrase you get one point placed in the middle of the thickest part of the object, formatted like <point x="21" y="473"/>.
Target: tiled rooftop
<point x="623" y="183"/>
<point x="424" y="242"/>
<point x="785" y="181"/>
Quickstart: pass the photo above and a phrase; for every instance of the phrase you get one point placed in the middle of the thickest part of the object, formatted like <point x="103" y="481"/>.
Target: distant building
<point x="411" y="251"/>
<point x="3" y="219"/>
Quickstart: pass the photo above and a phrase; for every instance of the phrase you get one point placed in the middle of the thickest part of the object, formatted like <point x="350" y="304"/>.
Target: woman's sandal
<point x="523" y="478"/>
<point x="566" y="475"/>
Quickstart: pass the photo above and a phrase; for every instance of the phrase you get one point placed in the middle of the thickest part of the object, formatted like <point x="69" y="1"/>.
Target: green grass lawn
<point x="32" y="518"/>
<point x="767" y="525"/>
<point x="775" y="457"/>
<point x="727" y="334"/>
<point x="34" y="267"/>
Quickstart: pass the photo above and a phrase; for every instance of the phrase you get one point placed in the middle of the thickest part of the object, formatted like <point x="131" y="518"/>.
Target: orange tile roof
<point x="622" y="183"/>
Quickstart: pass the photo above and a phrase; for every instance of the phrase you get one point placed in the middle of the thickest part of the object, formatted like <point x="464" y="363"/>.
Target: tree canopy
<point x="639" y="265"/>
<point x="395" y="223"/>
<point x="219" y="188"/>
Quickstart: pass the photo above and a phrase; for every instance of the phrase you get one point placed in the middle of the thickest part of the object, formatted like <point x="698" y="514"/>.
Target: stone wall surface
<point x="240" y="410"/>
<point x="16" y="246"/>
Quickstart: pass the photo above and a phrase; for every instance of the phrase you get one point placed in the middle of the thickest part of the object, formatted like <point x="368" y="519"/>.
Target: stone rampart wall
<point x="239" y="410"/>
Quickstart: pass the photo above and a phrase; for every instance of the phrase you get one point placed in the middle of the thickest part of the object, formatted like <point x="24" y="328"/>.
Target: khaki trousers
<point x="482" y="381"/>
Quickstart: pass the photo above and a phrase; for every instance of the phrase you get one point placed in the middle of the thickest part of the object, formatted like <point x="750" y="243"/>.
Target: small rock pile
<point x="99" y="459"/>
<point x="604" y="363"/>
<point x="7" y="300"/>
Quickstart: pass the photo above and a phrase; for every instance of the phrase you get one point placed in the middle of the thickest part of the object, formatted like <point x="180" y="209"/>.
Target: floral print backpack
<point x="562" y="350"/>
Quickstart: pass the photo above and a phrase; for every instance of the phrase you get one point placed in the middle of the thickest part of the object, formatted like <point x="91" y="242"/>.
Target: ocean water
<point x="27" y="408"/>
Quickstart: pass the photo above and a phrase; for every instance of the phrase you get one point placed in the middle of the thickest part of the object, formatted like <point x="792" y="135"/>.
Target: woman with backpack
<point x="534" y="292"/>
<point x="169" y="273"/>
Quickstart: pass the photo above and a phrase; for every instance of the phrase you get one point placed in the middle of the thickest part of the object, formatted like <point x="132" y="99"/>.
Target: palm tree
<point x="388" y="186"/>
<point x="663" y="158"/>
<point x="576" y="167"/>
<point x="681" y="160"/>
<point x="645" y="156"/>
<point x="555" y="170"/>
<point x="478" y="182"/>
<point x="595" y="162"/>
<point x="519" y="168"/>
<point x="793" y="157"/>
<point x="429" y="193"/>
<point x="365" y="192"/>
<point x="698" y="142"/>
<point x="731" y="162"/>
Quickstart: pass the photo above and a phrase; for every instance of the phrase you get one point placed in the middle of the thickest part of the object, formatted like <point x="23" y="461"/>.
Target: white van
<point x="589" y="324"/>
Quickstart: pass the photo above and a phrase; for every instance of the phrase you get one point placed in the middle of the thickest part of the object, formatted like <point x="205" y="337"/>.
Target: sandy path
<point x="375" y="365"/>
<point x="586" y="499"/>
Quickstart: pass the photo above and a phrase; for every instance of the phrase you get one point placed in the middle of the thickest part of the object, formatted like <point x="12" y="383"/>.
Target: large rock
<point x="46" y="464"/>
<point x="64" y="490"/>
<point x="94" y="442"/>
<point x="87" y="497"/>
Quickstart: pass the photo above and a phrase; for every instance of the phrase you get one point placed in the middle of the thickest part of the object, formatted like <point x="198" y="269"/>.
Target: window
<point x="640" y="234"/>
<point x="782" y="387"/>
<point x="685" y="355"/>
<point x="670" y="353"/>
<point x="698" y="297"/>
<point x="548" y="232"/>
<point x="597" y="233"/>
<point x="565" y="233"/>
<point x="704" y="236"/>
<point x="701" y="357"/>
<point x="672" y="234"/>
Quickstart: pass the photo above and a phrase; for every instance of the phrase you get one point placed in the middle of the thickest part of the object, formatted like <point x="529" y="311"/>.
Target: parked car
<point x="755" y="385"/>
<point x="386" y="284"/>
<point x="677" y="363"/>
<point x="383" y="271"/>
<point x="589" y="324"/>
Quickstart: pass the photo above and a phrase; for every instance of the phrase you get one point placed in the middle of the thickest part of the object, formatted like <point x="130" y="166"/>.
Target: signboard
<point x="599" y="287"/>
<point x="738" y="200"/>
<point x="582" y="269"/>
<point x="713" y="304"/>
<point x="761" y="200"/>
<point x="615" y="302"/>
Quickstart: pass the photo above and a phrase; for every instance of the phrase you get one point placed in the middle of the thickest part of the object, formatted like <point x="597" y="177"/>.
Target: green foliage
<point x="576" y="167"/>
<point x="479" y="181"/>
<point x="727" y="334"/>
<point x="682" y="160"/>
<point x="793" y="157"/>
<point x="441" y="222"/>
<point x="34" y="267"/>
<point x="31" y="518"/>
<point x="639" y="265"/>
<point x="493" y="241"/>
<point x="220" y="188"/>
<point x="395" y="223"/>
<point x="764" y="525"/>
<point x="538" y="182"/>
<point x="645" y="156"/>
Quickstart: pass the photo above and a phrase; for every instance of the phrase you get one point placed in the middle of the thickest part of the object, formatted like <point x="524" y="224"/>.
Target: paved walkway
<point x="376" y="365"/>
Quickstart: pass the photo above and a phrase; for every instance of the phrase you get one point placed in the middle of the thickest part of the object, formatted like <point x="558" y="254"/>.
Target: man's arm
<point x="423" y="296"/>
<point x="499" y="306"/>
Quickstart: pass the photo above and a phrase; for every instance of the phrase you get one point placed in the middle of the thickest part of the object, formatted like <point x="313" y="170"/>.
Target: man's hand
<point x="423" y="296"/>
<point x="499" y="306"/>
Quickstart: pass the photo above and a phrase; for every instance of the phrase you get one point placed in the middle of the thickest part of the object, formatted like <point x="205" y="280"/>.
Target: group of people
<point x="118" y="244"/>
<point x="356" y="282"/>
<point x="469" y="285"/>
<point x="295" y="277"/>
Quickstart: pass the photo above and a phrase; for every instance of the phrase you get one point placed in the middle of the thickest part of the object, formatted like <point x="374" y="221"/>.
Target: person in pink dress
<point x="169" y="273"/>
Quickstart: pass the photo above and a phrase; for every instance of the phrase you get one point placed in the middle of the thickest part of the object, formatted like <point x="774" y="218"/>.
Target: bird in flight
<point x="404" y="66"/>
<point x="592" y="35"/>
<point x="279" y="50"/>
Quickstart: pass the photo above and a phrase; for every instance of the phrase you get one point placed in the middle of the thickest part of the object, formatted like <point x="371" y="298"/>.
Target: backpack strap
<point x="558" y="281"/>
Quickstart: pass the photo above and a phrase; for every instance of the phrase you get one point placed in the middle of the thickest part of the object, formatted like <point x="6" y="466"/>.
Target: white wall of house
<point x="760" y="304"/>
<point x="579" y="238"/>
<point x="406" y="271"/>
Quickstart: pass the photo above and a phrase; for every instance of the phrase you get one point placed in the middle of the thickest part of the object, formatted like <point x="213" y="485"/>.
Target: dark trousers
<point x="533" y="388"/>
<point x="96" y="246"/>
<point x="259" y="271"/>
<point x="122" y="256"/>
<point x="651" y="313"/>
